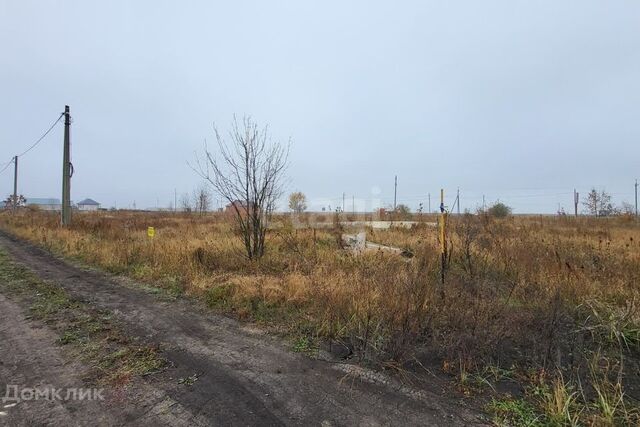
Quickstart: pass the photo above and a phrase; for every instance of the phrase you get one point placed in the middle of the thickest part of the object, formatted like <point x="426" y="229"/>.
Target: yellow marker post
<point x="151" y="232"/>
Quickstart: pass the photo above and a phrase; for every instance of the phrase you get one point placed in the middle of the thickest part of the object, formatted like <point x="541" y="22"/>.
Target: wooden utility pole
<point x="395" y="193"/>
<point x="66" y="171"/>
<point x="576" y="198"/>
<point x="15" y="184"/>
<point x="443" y="236"/>
<point x="458" y="200"/>
<point x="636" y="198"/>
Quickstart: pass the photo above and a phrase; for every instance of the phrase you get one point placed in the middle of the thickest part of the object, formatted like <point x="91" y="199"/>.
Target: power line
<point x="6" y="166"/>
<point x="34" y="144"/>
<point x="42" y="137"/>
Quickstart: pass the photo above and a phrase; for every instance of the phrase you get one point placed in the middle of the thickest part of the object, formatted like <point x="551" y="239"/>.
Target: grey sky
<point x="518" y="100"/>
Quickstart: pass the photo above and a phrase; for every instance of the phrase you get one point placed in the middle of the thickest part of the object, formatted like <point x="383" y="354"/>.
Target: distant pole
<point x="66" y="171"/>
<point x="483" y="204"/>
<point x="15" y="183"/>
<point x="395" y="193"/>
<point x="443" y="241"/>
<point x="458" y="200"/>
<point x="636" y="198"/>
<point x="175" y="200"/>
<point x="576" y="198"/>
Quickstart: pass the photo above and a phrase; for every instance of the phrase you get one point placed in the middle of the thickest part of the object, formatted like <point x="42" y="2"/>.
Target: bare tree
<point x="297" y="202"/>
<point x="247" y="171"/>
<point x="598" y="204"/>
<point x="626" y="208"/>
<point x="202" y="199"/>
<point x="185" y="203"/>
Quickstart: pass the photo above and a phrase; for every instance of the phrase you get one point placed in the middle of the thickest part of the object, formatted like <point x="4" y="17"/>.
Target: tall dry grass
<point x="537" y="293"/>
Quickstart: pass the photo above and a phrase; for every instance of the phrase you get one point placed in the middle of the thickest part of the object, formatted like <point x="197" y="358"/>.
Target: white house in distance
<point x="88" y="205"/>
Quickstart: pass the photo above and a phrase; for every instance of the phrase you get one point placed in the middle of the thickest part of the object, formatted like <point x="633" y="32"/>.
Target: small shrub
<point x="499" y="210"/>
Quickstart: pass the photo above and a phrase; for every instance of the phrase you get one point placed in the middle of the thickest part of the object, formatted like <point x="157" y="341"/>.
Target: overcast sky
<point x="519" y="100"/>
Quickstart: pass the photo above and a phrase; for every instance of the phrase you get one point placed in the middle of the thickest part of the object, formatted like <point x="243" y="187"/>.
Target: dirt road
<point x="241" y="376"/>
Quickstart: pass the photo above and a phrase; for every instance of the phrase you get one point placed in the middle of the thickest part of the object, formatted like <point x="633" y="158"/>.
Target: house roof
<point x="90" y="202"/>
<point x="42" y="201"/>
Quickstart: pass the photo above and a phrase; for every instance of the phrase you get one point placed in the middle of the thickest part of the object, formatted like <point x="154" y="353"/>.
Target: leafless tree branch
<point x="247" y="171"/>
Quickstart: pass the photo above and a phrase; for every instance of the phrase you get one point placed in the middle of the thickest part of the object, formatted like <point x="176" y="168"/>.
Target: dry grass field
<point x="539" y="312"/>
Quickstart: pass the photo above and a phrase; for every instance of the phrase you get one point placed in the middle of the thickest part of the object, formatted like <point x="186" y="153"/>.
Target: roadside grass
<point x="527" y="300"/>
<point x="555" y="402"/>
<point x="514" y="412"/>
<point x="92" y="335"/>
<point x="306" y="345"/>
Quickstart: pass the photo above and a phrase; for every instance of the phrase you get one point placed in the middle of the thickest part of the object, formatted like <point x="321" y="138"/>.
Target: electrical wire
<point x="38" y="141"/>
<point x="42" y="137"/>
<point x="6" y="165"/>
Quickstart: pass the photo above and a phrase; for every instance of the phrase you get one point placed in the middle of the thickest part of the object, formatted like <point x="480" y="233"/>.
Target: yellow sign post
<point x="151" y="232"/>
